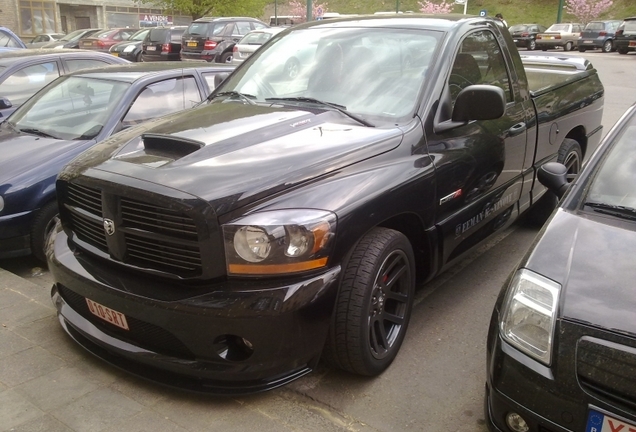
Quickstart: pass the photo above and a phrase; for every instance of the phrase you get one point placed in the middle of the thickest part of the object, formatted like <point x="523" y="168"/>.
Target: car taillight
<point x="603" y="33"/>
<point x="165" y="48"/>
<point x="101" y="43"/>
<point x="209" y="45"/>
<point x="558" y="36"/>
<point x="525" y="34"/>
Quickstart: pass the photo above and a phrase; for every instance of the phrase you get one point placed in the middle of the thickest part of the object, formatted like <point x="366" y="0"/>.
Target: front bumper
<point x="226" y="338"/>
<point x="15" y="234"/>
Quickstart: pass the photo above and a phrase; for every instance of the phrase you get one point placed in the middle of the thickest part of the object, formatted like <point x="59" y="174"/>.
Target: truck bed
<point x="546" y="73"/>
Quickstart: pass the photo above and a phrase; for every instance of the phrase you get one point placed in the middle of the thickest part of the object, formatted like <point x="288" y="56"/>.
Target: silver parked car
<point x="251" y="42"/>
<point x="564" y="35"/>
<point x="43" y="39"/>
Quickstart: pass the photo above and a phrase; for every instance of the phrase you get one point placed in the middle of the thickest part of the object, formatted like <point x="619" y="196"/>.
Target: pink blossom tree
<point x="587" y="10"/>
<point x="429" y="7"/>
<point x="299" y="8"/>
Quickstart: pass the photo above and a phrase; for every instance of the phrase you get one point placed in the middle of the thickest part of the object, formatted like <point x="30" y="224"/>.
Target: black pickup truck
<point x="228" y="248"/>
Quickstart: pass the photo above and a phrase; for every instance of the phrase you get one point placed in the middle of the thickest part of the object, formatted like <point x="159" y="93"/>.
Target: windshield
<point x="559" y="28"/>
<point x="518" y="28"/>
<point x="371" y="72"/>
<point x="72" y="108"/>
<point x="613" y="183"/>
<point x="140" y="35"/>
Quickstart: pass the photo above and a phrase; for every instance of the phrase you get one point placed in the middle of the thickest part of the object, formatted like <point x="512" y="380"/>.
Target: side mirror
<point x="553" y="175"/>
<point x="5" y="103"/>
<point x="479" y="102"/>
<point x="219" y="78"/>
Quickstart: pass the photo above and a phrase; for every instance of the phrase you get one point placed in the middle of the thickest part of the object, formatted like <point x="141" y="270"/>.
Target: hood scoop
<point x="156" y="150"/>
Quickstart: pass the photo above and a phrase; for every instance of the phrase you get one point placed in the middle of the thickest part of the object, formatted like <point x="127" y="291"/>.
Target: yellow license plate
<point x="115" y="54"/>
<point x="192" y="44"/>
<point x="107" y="314"/>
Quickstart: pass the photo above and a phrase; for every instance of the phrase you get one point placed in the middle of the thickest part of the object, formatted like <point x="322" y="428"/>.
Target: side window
<point x="162" y="98"/>
<point x="25" y="82"/>
<point x="229" y="29"/>
<point x="76" y="64"/>
<point x="243" y="28"/>
<point x="479" y="61"/>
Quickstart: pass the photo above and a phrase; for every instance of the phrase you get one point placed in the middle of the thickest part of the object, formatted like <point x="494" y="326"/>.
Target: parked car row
<point x="606" y="35"/>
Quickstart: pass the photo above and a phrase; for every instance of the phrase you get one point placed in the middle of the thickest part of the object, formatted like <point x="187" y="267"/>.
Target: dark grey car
<point x="599" y="35"/>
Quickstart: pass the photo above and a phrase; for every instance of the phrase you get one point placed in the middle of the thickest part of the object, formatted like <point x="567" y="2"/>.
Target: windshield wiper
<point x="614" y="210"/>
<point x="37" y="132"/>
<point x="340" y="108"/>
<point x="242" y="96"/>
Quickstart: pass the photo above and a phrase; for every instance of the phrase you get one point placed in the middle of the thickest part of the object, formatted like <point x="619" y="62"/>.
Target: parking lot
<point x="48" y="383"/>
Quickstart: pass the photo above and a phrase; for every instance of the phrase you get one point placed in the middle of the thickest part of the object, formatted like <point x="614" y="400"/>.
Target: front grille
<point x="606" y="371"/>
<point x="148" y="235"/>
<point x="141" y="333"/>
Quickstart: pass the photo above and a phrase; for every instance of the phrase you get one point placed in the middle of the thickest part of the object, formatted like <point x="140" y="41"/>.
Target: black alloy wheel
<point x="531" y="45"/>
<point x="226" y="57"/>
<point x="374" y="304"/>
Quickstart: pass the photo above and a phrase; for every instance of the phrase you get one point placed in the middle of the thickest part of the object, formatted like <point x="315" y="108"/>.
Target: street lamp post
<point x="560" y="11"/>
<point x="309" y="10"/>
<point x="397" y="6"/>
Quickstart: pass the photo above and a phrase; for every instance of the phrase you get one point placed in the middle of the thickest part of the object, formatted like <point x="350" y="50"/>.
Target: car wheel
<point x="568" y="46"/>
<point x="607" y="46"/>
<point x="544" y="49"/>
<point x="374" y="304"/>
<point x="571" y="156"/>
<point x="138" y="58"/>
<point x="292" y="68"/>
<point x="42" y="226"/>
<point x="532" y="45"/>
<point x="226" y="57"/>
<point x="622" y="50"/>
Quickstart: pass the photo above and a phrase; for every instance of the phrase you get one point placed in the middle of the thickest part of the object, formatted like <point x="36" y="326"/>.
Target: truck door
<point x="478" y="165"/>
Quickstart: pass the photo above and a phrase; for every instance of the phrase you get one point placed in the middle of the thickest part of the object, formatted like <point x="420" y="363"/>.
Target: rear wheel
<point x="374" y="304"/>
<point x="581" y="49"/>
<point x="568" y="46"/>
<point x="571" y="156"/>
<point x="532" y="45"/>
<point x="226" y="57"/>
<point x="42" y="226"/>
<point x="607" y="46"/>
<point x="622" y="50"/>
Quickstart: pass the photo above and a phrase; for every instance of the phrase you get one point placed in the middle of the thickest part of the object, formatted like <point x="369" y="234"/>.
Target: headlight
<point x="129" y="48"/>
<point x="1" y="203"/>
<point x="528" y="314"/>
<point x="279" y="242"/>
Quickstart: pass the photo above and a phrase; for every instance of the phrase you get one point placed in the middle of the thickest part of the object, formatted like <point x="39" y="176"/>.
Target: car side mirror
<point x="219" y="78"/>
<point x="479" y="102"/>
<point x="553" y="175"/>
<point x="5" y="103"/>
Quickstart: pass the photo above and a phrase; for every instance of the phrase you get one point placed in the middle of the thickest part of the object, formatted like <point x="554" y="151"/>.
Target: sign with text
<point x="152" y="20"/>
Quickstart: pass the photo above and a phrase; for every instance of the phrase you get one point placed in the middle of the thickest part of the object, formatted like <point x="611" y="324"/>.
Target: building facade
<point x="28" y="18"/>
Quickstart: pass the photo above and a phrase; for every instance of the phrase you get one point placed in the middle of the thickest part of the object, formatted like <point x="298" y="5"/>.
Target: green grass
<point x="514" y="11"/>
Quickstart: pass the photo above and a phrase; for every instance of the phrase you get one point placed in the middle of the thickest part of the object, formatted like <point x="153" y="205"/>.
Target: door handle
<point x="517" y="129"/>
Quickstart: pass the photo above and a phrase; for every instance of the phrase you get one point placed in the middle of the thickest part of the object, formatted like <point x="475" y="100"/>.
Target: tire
<point x="571" y="156"/>
<point x="581" y="49"/>
<point x="532" y="45"/>
<point x="374" y="304"/>
<point x="292" y="68"/>
<point x="42" y="226"/>
<point x="544" y="49"/>
<point x="622" y="50"/>
<point x="138" y="57"/>
<point x="608" y="46"/>
<point x="568" y="46"/>
<point x="226" y="57"/>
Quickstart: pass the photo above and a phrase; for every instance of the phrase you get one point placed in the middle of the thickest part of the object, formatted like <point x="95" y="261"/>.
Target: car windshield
<point x="72" y="108"/>
<point x="140" y="35"/>
<point x="595" y="26"/>
<point x="630" y="25"/>
<point x="104" y="34"/>
<point x="371" y="72"/>
<point x="56" y="36"/>
<point x="559" y="28"/>
<point x="613" y="183"/>
<point x="518" y="28"/>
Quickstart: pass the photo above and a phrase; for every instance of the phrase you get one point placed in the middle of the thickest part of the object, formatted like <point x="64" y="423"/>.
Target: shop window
<point x="37" y="17"/>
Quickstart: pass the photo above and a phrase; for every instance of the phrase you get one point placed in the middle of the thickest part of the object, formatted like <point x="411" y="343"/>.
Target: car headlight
<point x="279" y="242"/>
<point x="1" y="203"/>
<point x="528" y="314"/>
<point x="129" y="48"/>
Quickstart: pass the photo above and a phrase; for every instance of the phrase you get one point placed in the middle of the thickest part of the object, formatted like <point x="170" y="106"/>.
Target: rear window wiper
<point x="245" y="97"/>
<point x="613" y="210"/>
<point x="340" y="108"/>
<point x="37" y="132"/>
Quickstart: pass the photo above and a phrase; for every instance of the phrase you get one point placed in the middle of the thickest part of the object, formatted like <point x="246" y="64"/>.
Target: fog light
<point x="516" y="423"/>
<point x="233" y="348"/>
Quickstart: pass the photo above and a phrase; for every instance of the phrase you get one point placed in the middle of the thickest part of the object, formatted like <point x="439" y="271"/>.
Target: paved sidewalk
<point x="49" y="384"/>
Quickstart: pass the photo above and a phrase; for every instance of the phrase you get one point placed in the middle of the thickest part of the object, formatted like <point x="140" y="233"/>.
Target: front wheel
<point x="622" y="50"/>
<point x="568" y="46"/>
<point x="532" y="45"/>
<point x="607" y="46"/>
<point x="226" y="57"/>
<point x="374" y="304"/>
<point x="44" y="223"/>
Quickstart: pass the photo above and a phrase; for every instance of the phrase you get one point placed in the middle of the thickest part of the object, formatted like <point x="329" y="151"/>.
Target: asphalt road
<point x="436" y="383"/>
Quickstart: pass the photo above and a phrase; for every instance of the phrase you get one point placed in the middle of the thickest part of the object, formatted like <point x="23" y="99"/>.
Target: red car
<point x="103" y="40"/>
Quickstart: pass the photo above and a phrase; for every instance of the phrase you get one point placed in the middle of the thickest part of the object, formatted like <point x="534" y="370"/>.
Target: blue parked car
<point x="71" y="114"/>
<point x="10" y="40"/>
